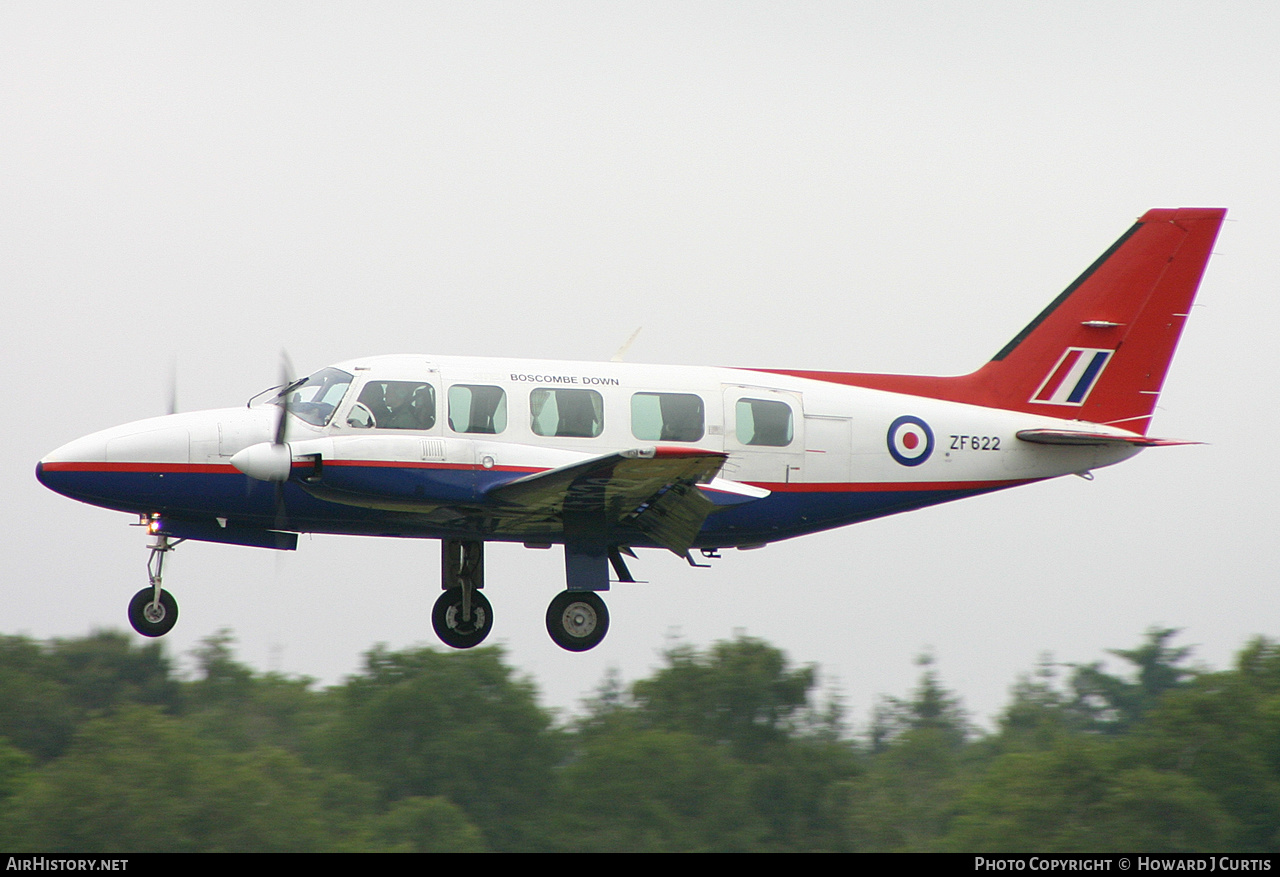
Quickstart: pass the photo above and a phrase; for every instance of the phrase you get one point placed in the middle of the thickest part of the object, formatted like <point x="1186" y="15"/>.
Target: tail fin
<point x="1099" y="352"/>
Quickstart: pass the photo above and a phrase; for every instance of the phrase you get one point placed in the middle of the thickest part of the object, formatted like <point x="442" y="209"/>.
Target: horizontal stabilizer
<point x="1095" y="439"/>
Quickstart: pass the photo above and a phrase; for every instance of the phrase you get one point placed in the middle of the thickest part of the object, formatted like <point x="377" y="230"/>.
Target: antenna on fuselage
<point x="173" y="386"/>
<point x="622" y="351"/>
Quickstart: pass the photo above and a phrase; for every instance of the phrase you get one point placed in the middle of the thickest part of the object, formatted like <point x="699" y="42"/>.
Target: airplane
<point x="605" y="458"/>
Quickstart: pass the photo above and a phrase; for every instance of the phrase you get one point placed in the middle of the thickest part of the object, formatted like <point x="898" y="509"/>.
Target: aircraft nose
<point x="86" y="449"/>
<point x="63" y="470"/>
<point x="147" y="441"/>
<point x="88" y="467"/>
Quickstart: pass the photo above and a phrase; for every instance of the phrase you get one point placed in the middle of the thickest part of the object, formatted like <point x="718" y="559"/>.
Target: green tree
<point x="804" y="794"/>
<point x="1113" y="704"/>
<point x="741" y="693"/>
<point x="1037" y="713"/>
<point x="1084" y="795"/>
<point x="1122" y="763"/>
<point x="241" y="709"/>
<point x="914" y="774"/>
<point x="1223" y="731"/>
<point x="636" y="789"/>
<point x="141" y="781"/>
<point x="742" y="701"/>
<point x="48" y="689"/>
<point x="460" y="726"/>
<point x="424" y="825"/>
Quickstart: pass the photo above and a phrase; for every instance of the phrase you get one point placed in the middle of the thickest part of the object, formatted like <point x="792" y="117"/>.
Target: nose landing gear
<point x="153" y="611"/>
<point x="152" y="614"/>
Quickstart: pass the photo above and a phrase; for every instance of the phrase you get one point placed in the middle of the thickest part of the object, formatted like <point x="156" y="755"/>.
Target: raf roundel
<point x="910" y="440"/>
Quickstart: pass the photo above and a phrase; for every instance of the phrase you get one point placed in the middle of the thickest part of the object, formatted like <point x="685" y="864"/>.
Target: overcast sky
<point x="878" y="186"/>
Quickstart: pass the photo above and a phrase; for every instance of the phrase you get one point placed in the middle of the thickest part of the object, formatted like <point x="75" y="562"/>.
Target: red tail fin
<point x="1099" y="352"/>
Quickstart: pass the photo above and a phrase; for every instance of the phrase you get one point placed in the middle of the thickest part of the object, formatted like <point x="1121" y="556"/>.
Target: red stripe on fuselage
<point x="886" y="486"/>
<point x="156" y="468"/>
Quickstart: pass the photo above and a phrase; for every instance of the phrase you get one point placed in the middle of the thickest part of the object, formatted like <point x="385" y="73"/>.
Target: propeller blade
<point x="282" y="514"/>
<point x="286" y="378"/>
<point x="287" y="373"/>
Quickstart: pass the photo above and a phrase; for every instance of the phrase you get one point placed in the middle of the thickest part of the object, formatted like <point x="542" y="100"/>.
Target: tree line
<point x="104" y="747"/>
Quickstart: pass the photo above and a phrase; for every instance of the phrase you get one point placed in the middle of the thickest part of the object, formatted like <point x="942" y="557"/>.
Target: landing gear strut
<point x="153" y="611"/>
<point x="462" y="616"/>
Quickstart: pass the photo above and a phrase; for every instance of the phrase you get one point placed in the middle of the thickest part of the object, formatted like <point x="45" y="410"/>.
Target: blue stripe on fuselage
<point x="195" y="494"/>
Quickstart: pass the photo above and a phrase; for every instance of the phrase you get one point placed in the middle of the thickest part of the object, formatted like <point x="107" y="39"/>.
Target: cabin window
<point x="764" y="422"/>
<point x="667" y="417"/>
<point x="477" y="409"/>
<point x="570" y="413"/>
<point x="394" y="405"/>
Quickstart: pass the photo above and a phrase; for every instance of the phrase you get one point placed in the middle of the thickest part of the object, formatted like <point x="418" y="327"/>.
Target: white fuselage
<point x="835" y="459"/>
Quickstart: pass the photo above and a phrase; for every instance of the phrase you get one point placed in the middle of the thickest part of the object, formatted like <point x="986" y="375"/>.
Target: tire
<point x="577" y="620"/>
<point x="446" y="618"/>
<point x="161" y="616"/>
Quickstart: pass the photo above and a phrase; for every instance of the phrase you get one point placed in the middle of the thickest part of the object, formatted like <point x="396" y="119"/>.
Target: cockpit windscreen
<point x="315" y="398"/>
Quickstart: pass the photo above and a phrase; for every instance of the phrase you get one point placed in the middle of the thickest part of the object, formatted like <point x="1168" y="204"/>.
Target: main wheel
<point x="447" y="619"/>
<point x="577" y="620"/>
<point x="151" y="618"/>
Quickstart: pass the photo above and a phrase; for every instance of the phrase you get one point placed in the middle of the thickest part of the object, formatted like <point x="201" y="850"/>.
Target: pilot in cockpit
<point x="399" y="405"/>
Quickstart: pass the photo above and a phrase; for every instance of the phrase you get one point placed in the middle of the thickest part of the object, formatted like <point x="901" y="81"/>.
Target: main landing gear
<point x="576" y="619"/>
<point x="153" y="611"/>
<point x="462" y="616"/>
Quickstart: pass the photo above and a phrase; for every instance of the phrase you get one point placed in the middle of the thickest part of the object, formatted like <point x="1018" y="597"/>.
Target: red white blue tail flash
<point x="1073" y="377"/>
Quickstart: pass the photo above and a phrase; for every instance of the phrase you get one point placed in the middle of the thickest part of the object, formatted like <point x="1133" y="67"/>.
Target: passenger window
<point x="394" y="405"/>
<point x="571" y="413"/>
<point x="667" y="417"/>
<point x="477" y="409"/>
<point x="764" y="422"/>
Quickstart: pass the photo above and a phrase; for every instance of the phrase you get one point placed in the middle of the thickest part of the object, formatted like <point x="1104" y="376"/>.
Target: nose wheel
<point x="152" y="616"/>
<point x="577" y="620"/>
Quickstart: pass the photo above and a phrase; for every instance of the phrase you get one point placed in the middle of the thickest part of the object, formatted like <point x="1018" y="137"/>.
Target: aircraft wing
<point x="1078" y="438"/>
<point x="655" y="491"/>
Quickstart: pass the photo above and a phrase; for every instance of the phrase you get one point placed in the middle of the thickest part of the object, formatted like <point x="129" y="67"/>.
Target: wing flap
<point x="654" y="490"/>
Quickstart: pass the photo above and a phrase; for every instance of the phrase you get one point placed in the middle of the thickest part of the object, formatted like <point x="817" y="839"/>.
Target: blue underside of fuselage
<point x="247" y="504"/>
